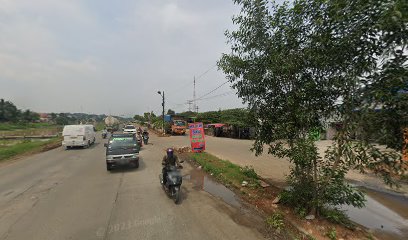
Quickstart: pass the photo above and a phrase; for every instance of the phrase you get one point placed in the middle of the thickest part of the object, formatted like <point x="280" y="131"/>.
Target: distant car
<point x="122" y="150"/>
<point x="129" y="129"/>
<point x="78" y="136"/>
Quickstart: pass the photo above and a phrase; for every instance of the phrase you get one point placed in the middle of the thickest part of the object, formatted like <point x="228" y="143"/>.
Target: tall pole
<point x="194" y="96"/>
<point x="163" y="114"/>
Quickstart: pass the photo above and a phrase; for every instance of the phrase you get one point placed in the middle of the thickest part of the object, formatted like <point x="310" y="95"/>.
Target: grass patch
<point x="337" y="216"/>
<point x="9" y="150"/>
<point x="225" y="171"/>
<point x="332" y="234"/>
<point x="18" y="126"/>
<point x="276" y="221"/>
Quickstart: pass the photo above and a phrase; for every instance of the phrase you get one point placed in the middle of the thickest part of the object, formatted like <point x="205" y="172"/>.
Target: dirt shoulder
<point x="282" y="222"/>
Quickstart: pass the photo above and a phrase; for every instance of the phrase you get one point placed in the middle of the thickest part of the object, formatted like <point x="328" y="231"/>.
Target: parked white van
<point x="78" y="135"/>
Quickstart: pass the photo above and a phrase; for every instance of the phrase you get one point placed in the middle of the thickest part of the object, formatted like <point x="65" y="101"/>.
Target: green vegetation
<point x="276" y="221"/>
<point x="370" y="236"/>
<point x="100" y="126"/>
<point x="335" y="215"/>
<point x="12" y="148"/>
<point x="332" y="234"/>
<point x="285" y="64"/>
<point x="10" y="113"/>
<point x="225" y="171"/>
<point x="21" y="125"/>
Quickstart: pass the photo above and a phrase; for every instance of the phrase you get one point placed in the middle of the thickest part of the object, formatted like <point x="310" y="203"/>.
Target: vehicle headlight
<point x="136" y="155"/>
<point x="109" y="157"/>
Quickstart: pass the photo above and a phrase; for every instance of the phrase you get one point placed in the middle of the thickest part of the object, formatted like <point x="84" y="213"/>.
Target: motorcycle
<point x="145" y="139"/>
<point x="173" y="182"/>
<point x="104" y="134"/>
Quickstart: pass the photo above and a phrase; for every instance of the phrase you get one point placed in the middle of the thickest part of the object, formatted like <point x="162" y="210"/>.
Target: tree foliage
<point x="238" y="117"/>
<point x="171" y="112"/>
<point x="10" y="113"/>
<point x="298" y="65"/>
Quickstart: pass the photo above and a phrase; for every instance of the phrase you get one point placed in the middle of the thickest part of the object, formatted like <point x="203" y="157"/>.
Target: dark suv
<point x="122" y="150"/>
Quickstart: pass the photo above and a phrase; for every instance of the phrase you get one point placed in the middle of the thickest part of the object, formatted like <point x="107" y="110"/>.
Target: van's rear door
<point x="74" y="134"/>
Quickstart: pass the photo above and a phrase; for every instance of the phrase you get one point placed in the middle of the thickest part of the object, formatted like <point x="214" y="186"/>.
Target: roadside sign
<point x="197" y="137"/>
<point x="167" y="118"/>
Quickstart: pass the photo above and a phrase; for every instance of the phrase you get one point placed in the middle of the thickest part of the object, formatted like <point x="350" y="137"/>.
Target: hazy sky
<point x="105" y="56"/>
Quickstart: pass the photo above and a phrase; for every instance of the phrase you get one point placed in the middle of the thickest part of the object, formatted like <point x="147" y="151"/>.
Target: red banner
<point x="197" y="137"/>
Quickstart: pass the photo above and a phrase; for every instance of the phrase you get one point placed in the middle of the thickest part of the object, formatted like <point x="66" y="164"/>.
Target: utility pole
<point x="189" y="102"/>
<point x="162" y="94"/>
<point x="194" y="96"/>
<point x="196" y="109"/>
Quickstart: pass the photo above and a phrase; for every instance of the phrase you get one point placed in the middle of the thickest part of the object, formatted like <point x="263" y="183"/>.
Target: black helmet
<point x="170" y="152"/>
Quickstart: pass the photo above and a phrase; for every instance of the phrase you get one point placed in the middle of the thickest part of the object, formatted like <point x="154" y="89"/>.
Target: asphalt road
<point x="69" y="195"/>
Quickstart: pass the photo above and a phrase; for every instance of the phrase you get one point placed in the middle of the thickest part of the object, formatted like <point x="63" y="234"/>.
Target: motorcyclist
<point x="170" y="159"/>
<point x="145" y="132"/>
<point x="104" y="133"/>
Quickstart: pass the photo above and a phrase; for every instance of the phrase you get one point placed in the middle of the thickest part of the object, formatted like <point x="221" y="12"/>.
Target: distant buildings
<point x="44" y="117"/>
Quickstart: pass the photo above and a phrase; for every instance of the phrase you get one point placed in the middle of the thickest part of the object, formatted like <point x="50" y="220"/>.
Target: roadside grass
<point x="16" y="148"/>
<point x="276" y="221"/>
<point x="18" y="126"/>
<point x="225" y="171"/>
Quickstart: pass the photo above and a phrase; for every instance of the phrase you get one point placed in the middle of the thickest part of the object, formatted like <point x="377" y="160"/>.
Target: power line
<point x="215" y="89"/>
<point x="216" y="96"/>
<point x="189" y="83"/>
<point x="206" y="71"/>
<point x="189" y="102"/>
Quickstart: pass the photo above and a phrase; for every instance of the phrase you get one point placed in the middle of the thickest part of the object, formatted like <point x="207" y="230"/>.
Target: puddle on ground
<point x="385" y="214"/>
<point x="202" y="182"/>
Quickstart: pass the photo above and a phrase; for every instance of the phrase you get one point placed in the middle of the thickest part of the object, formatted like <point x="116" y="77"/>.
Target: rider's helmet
<point x="170" y="152"/>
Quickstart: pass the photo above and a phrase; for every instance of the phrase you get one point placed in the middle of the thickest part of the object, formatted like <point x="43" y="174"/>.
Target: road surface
<point x="271" y="167"/>
<point x="69" y="195"/>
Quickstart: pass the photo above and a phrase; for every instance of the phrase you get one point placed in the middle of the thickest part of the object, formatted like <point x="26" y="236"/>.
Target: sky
<point x="111" y="57"/>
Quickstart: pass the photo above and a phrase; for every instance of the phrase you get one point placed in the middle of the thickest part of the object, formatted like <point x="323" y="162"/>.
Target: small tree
<point x="298" y="65"/>
<point x="171" y="112"/>
<point x="139" y="118"/>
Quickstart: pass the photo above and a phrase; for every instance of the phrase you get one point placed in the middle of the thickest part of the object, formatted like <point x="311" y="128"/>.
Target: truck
<point x="178" y="127"/>
<point x="112" y="124"/>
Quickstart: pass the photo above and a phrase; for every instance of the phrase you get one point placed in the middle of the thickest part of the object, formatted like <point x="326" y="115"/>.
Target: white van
<point x="78" y="135"/>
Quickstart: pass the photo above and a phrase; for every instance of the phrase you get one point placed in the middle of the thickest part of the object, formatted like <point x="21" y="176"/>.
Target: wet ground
<point x="203" y="182"/>
<point x="239" y="211"/>
<point x="385" y="215"/>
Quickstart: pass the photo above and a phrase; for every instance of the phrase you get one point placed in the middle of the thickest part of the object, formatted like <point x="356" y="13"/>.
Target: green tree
<point x="53" y="116"/>
<point x="139" y="118"/>
<point x="62" y="119"/>
<point x="171" y="112"/>
<point x="149" y="117"/>
<point x="297" y="65"/>
<point x="2" y="110"/>
<point x="9" y="112"/>
<point x="29" y="116"/>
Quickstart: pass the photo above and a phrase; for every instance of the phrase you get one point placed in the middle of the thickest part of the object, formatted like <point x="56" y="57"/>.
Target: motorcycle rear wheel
<point x="176" y="195"/>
